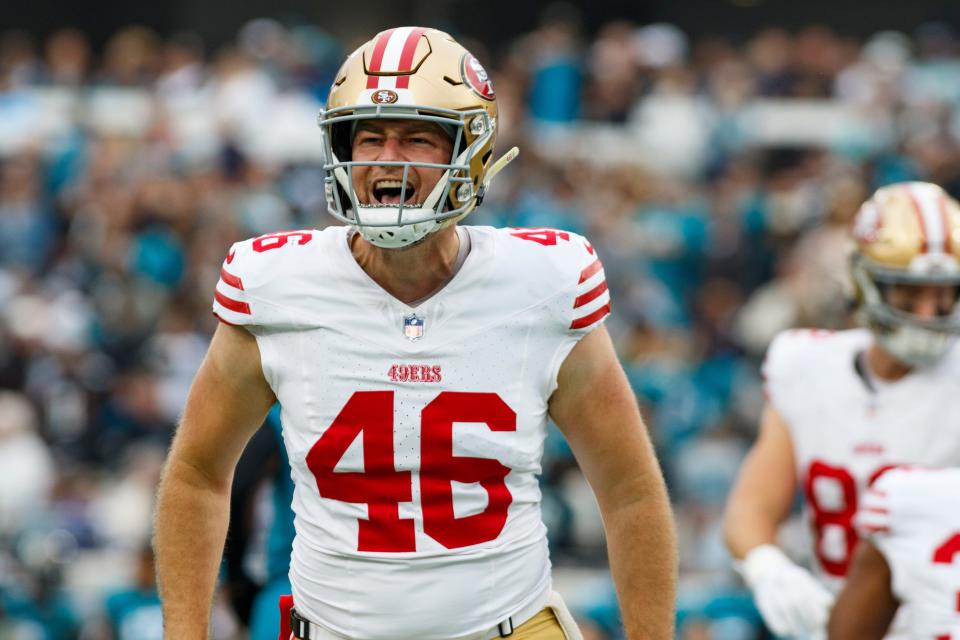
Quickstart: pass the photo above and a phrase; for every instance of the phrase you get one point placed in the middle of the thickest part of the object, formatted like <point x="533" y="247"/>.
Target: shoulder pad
<point x="259" y="279"/>
<point x="573" y="268"/>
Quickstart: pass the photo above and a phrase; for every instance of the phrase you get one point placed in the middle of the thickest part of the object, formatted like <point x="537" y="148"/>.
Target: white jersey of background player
<point x="909" y="523"/>
<point x="416" y="363"/>
<point x="843" y="406"/>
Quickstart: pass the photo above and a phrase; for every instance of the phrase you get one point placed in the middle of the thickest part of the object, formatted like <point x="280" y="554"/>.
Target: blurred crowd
<point x="716" y="178"/>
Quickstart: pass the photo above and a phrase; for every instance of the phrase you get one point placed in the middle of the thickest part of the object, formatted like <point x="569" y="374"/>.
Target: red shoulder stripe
<point x="588" y="320"/>
<point x="594" y="266"/>
<point x="593" y="294"/>
<point x="230" y="279"/>
<point x="869" y="528"/>
<point x="231" y="304"/>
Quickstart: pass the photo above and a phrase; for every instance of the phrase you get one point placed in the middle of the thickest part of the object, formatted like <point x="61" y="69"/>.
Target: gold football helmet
<point x="411" y="73"/>
<point x="907" y="241"/>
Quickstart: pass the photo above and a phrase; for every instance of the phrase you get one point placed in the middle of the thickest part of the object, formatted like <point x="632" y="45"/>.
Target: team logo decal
<point x="384" y="96"/>
<point x="413" y="327"/>
<point x="866" y="226"/>
<point x="476" y="77"/>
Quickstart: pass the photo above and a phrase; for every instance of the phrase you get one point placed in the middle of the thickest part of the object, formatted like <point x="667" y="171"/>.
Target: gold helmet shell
<point x="907" y="234"/>
<point x="411" y="73"/>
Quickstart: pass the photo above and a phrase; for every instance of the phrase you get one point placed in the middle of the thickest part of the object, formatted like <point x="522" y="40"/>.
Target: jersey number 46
<point x="381" y="487"/>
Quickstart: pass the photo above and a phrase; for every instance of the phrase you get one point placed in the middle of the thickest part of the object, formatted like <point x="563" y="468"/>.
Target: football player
<point x="909" y="553"/>
<point x="844" y="406"/>
<point x="416" y="363"/>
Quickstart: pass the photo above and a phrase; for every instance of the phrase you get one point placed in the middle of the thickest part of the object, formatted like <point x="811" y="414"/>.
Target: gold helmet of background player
<point x="421" y="74"/>
<point x="908" y="235"/>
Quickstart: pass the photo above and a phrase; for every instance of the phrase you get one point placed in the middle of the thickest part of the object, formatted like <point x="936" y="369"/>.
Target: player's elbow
<point x="182" y="474"/>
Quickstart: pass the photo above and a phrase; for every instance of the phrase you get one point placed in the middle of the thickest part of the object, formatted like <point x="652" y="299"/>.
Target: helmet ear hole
<point x="340" y="141"/>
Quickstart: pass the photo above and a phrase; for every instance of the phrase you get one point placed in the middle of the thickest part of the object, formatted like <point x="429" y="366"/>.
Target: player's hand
<point x="791" y="601"/>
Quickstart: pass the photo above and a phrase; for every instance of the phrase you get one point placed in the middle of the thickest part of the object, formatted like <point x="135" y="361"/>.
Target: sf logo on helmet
<point x="476" y="77"/>
<point x="384" y="96"/>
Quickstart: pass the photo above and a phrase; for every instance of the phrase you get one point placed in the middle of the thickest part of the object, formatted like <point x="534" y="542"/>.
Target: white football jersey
<point x="415" y="434"/>
<point x="913" y="518"/>
<point x="847" y="428"/>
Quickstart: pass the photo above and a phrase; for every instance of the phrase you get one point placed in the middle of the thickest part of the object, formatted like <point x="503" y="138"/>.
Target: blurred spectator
<point x="67" y="59"/>
<point x="552" y="53"/>
<point x="27" y="464"/>
<point x="134" y="613"/>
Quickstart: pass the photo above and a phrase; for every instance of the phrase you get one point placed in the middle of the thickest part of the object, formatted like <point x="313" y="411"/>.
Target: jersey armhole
<point x="269" y="358"/>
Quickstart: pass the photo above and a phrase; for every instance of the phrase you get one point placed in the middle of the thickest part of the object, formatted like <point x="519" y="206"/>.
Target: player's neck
<point x="413" y="273"/>
<point x="884" y="366"/>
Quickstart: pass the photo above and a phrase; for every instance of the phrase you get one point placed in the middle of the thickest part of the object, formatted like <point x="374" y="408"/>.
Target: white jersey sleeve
<point x="260" y="286"/>
<point x="564" y="269"/>
<point x="912" y="516"/>
<point x="586" y="282"/>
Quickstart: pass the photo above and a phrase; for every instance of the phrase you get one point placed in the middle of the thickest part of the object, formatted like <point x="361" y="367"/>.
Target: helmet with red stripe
<point x="906" y="269"/>
<point x="411" y="73"/>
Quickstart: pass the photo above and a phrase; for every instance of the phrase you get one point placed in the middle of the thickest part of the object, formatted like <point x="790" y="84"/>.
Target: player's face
<point x="924" y="301"/>
<point x="403" y="141"/>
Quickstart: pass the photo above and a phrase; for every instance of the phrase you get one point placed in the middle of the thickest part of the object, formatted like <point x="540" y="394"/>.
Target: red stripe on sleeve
<point x="376" y="59"/>
<point x="593" y="294"/>
<point x="230" y="279"/>
<point x="230" y="303"/>
<point x="588" y="320"/>
<point x="868" y="528"/>
<point x="406" y="57"/>
<point x="595" y="266"/>
<point x="945" y="217"/>
<point x="920" y="221"/>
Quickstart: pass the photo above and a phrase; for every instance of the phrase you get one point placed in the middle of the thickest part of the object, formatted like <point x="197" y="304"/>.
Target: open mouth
<point x="388" y="192"/>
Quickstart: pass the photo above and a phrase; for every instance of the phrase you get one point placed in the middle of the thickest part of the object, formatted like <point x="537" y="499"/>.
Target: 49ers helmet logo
<point x="476" y="77"/>
<point x="384" y="96"/>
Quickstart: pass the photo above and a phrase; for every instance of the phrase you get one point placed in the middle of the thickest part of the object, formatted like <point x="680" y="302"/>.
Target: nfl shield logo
<point x="413" y="327"/>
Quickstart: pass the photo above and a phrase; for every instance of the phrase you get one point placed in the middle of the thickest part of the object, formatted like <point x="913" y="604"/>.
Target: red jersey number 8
<point x="838" y="517"/>
<point x="832" y="517"/>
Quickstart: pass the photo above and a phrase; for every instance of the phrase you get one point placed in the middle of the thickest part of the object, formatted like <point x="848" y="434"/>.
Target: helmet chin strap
<point x="420" y="219"/>
<point x="916" y="346"/>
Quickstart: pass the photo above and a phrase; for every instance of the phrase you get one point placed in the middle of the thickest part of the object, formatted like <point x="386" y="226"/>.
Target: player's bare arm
<point x="763" y="493"/>
<point x="596" y="410"/>
<point x="790" y="599"/>
<point x="866" y="606"/>
<point x="228" y="401"/>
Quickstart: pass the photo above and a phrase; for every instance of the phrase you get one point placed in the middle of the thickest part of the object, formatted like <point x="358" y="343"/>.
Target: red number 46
<point x="369" y="414"/>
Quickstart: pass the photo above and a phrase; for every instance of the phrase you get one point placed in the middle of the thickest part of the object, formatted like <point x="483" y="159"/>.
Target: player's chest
<point x="419" y="354"/>
<point x="908" y="424"/>
<point x="481" y="390"/>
